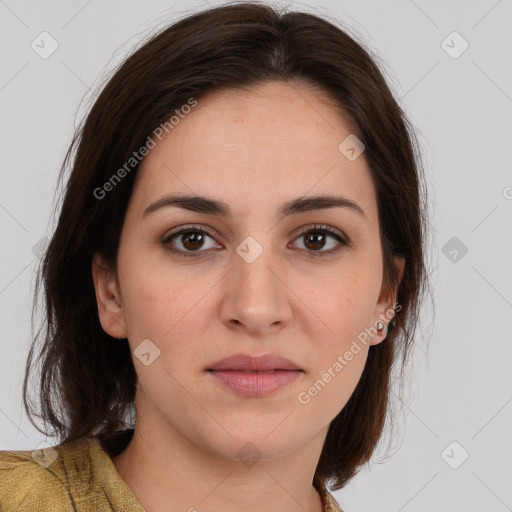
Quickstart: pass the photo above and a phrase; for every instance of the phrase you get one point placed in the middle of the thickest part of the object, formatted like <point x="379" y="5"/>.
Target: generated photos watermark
<point x="149" y="144"/>
<point x="304" y="397"/>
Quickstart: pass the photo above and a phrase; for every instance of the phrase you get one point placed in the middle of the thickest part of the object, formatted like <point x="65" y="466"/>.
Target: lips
<point x="244" y="362"/>
<point x="255" y="376"/>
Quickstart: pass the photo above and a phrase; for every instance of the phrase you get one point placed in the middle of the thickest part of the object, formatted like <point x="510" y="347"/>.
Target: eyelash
<point x="323" y="229"/>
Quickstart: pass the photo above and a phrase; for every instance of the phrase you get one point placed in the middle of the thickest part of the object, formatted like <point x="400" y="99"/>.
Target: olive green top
<point x="73" y="476"/>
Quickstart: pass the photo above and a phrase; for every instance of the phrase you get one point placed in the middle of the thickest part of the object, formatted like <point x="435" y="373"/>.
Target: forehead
<point x="257" y="149"/>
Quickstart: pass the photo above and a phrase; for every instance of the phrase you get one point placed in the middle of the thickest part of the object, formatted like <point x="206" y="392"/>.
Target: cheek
<point x="345" y="306"/>
<point x="153" y="293"/>
<point x="169" y="307"/>
<point x="154" y="308"/>
<point x="327" y="391"/>
<point x="345" y="303"/>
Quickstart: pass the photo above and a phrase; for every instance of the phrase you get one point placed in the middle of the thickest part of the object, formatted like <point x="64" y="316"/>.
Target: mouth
<point x="255" y="383"/>
<point x="254" y="371"/>
<point x="255" y="376"/>
<point x="261" y="364"/>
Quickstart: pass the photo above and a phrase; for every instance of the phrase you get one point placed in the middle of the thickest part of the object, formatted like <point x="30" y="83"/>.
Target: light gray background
<point x="459" y="388"/>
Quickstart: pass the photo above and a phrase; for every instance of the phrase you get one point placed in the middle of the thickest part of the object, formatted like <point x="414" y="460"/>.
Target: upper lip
<point x="255" y="363"/>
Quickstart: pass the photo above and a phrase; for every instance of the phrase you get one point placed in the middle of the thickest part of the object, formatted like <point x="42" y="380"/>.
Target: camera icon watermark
<point x="44" y="45"/>
<point x="454" y="249"/>
<point x="351" y="147"/>
<point x="454" y="45"/>
<point x="454" y="455"/>
<point x="146" y="352"/>
<point x="249" y="454"/>
<point x="249" y="249"/>
<point x="45" y="455"/>
<point x="40" y="247"/>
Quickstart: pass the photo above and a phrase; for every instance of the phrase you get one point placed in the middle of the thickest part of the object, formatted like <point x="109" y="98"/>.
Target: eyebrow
<point x="202" y="204"/>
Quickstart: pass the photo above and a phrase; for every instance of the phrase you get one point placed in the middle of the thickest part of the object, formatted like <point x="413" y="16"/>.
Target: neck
<point x="166" y="471"/>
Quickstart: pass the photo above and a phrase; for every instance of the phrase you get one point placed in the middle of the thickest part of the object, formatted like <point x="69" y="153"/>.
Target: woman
<point x="238" y="262"/>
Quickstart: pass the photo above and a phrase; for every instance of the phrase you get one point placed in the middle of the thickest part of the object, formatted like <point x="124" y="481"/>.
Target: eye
<point x="190" y="240"/>
<point x="317" y="237"/>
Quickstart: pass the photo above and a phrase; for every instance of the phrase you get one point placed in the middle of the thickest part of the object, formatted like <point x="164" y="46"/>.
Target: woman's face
<point x="246" y="281"/>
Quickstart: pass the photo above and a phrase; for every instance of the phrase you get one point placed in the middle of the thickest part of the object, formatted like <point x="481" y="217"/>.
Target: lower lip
<point x="254" y="384"/>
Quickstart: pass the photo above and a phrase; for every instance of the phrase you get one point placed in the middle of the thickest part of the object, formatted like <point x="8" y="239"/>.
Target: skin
<point x="255" y="151"/>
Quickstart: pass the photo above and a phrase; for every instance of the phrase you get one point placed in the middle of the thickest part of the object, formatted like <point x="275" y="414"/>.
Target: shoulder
<point x="44" y="479"/>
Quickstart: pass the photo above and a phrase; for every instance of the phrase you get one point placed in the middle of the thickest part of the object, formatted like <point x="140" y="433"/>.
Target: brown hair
<point x="86" y="378"/>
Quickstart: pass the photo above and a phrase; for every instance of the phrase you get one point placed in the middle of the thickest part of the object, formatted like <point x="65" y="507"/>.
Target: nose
<point x="256" y="296"/>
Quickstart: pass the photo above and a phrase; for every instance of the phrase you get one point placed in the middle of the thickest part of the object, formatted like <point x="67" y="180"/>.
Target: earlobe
<point x="110" y="310"/>
<point x="384" y="311"/>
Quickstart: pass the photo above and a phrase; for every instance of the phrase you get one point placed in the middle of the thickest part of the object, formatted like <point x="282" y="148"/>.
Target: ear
<point x="384" y="311"/>
<point x="110" y="309"/>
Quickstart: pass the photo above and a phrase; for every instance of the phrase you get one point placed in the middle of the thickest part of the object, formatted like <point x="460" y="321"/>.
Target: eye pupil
<point x="194" y="238"/>
<point x="318" y="240"/>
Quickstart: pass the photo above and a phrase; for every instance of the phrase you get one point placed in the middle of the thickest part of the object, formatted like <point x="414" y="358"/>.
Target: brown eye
<point x="315" y="241"/>
<point x="318" y="237"/>
<point x="192" y="240"/>
<point x="189" y="240"/>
